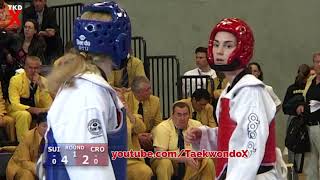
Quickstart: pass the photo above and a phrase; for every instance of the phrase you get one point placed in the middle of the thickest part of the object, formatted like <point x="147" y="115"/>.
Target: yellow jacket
<point x="166" y="138"/>
<point x="26" y="154"/>
<point x="133" y="131"/>
<point x="3" y="110"/>
<point x="151" y="110"/>
<point x="217" y="92"/>
<point x="19" y="87"/>
<point x="205" y="116"/>
<point x="165" y="135"/>
<point x="134" y="67"/>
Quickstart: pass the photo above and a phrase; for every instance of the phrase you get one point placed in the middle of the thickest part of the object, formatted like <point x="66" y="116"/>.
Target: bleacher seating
<point x="66" y="14"/>
<point x="205" y="82"/>
<point x="164" y="72"/>
<point x="139" y="50"/>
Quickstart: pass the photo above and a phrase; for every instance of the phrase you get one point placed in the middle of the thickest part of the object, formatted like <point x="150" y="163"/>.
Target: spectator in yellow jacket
<point x="200" y="108"/>
<point x="22" y="165"/>
<point x="28" y="95"/>
<point x="123" y="78"/>
<point x="220" y="82"/>
<point x="145" y="107"/>
<point x="5" y="120"/>
<point x="169" y="136"/>
<point x="137" y="168"/>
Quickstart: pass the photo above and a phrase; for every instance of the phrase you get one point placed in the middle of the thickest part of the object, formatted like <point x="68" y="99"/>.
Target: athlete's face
<point x="224" y="44"/>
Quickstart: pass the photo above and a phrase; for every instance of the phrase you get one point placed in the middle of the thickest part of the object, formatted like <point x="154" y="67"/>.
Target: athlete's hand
<point x="193" y="135"/>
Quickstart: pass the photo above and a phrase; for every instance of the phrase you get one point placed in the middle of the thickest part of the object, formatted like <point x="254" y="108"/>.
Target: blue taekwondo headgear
<point x="111" y="38"/>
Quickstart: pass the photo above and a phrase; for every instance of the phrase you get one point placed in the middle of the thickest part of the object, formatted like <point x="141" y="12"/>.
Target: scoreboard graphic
<point x="77" y="155"/>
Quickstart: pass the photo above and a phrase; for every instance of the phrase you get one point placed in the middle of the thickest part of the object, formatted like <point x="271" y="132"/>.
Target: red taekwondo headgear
<point x="241" y="56"/>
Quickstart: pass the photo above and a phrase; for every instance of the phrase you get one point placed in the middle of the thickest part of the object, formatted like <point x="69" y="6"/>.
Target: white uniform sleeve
<point x="208" y="139"/>
<point x="95" y="117"/>
<point x="253" y="110"/>
<point x="273" y="95"/>
<point x="100" y="115"/>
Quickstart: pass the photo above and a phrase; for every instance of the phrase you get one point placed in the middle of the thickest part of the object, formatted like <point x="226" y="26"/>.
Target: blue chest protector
<point x="118" y="141"/>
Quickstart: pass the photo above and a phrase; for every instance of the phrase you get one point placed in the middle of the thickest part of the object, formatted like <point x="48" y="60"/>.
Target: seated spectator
<point x="29" y="44"/>
<point x="6" y="18"/>
<point x="8" y="37"/>
<point x="169" y="136"/>
<point x="202" y="69"/>
<point x="220" y="83"/>
<point x="201" y="109"/>
<point x="28" y="95"/>
<point x="49" y="29"/>
<point x="5" y="120"/>
<point x="9" y="45"/>
<point x="144" y="107"/>
<point x="136" y="168"/>
<point x="22" y="165"/>
<point x="255" y="69"/>
<point x="123" y="78"/>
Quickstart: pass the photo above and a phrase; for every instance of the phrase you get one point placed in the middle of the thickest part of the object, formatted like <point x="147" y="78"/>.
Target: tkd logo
<point x="15" y="11"/>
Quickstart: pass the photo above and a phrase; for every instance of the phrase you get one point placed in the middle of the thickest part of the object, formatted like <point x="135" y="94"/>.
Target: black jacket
<point x="54" y="44"/>
<point x="37" y="47"/>
<point x="49" y="18"/>
<point x="293" y="98"/>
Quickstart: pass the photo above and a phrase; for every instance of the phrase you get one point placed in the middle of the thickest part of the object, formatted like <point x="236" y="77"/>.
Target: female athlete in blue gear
<point x="86" y="110"/>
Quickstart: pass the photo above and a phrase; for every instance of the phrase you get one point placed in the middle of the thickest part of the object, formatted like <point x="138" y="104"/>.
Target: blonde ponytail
<point x="66" y="68"/>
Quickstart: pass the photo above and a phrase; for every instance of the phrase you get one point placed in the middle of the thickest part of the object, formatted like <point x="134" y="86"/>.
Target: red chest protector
<point x="225" y="130"/>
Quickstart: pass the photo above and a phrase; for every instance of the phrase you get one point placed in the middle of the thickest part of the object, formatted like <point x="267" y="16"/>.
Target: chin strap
<point x="229" y="67"/>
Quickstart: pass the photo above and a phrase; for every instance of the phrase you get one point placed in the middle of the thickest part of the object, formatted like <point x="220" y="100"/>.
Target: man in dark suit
<point x="49" y="29"/>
